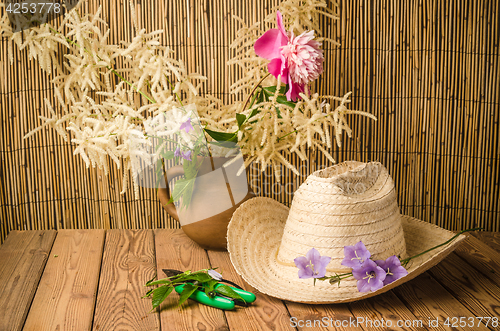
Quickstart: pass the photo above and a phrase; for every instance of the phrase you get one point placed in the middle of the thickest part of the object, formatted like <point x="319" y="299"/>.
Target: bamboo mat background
<point x="429" y="71"/>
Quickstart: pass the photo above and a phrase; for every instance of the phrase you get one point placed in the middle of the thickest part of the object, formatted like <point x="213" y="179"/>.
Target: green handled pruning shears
<point x="218" y="300"/>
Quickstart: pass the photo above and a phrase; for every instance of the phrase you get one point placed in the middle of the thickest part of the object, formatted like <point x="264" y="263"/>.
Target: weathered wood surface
<point x="22" y="261"/>
<point x="93" y="280"/>
<point x="128" y="263"/>
<point x="65" y="298"/>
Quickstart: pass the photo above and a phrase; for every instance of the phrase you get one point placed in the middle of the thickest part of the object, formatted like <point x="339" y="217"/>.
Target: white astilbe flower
<point x="120" y="103"/>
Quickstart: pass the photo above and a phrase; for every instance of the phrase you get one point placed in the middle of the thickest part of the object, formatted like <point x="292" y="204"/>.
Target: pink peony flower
<point x="298" y="60"/>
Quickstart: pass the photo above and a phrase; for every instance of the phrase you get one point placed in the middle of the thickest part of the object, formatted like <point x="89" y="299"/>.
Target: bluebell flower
<point x="187" y="125"/>
<point x="312" y="265"/>
<point x="370" y="276"/>
<point x="355" y="256"/>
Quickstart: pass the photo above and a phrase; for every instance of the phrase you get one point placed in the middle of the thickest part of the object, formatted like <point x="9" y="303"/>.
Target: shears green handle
<point x="249" y="297"/>
<point x="218" y="301"/>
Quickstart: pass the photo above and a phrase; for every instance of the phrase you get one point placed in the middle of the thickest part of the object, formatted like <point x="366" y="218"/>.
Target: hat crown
<point x="340" y="206"/>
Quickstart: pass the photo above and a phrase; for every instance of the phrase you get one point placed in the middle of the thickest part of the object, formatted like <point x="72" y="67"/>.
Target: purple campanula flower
<point x="312" y="265"/>
<point x="186" y="155"/>
<point x="393" y="269"/>
<point x="187" y="125"/>
<point x="355" y="256"/>
<point x="370" y="276"/>
<point x="177" y="152"/>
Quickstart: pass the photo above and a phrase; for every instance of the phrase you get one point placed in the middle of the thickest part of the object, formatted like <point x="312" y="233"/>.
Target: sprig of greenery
<point x="258" y="95"/>
<point x="193" y="281"/>
<point x="335" y="279"/>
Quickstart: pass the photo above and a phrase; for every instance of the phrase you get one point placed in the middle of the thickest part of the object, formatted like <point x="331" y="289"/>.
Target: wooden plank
<point x="65" y="298"/>
<point x="429" y="301"/>
<point x="338" y="317"/>
<point x="174" y="250"/>
<point x="384" y="307"/>
<point x="22" y="260"/>
<point x="266" y="313"/>
<point x="128" y="263"/>
<point x="492" y="239"/>
<point x="482" y="257"/>
<point x="475" y="291"/>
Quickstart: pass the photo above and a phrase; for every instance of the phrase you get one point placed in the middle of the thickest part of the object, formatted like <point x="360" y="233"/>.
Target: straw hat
<point x="335" y="207"/>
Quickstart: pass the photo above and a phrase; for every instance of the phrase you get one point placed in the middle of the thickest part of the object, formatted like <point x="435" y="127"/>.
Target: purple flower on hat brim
<point x="370" y="276"/>
<point x="313" y="265"/>
<point x="393" y="269"/>
<point x="355" y="256"/>
<point x="187" y="125"/>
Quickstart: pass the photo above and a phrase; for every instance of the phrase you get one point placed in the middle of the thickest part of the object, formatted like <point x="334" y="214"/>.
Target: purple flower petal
<point x="355" y="255"/>
<point x="177" y="152"/>
<point x="312" y="265"/>
<point x="301" y="262"/>
<point x="313" y="255"/>
<point x="187" y="155"/>
<point x="321" y="266"/>
<point x="393" y="269"/>
<point x="186" y="125"/>
<point x="306" y="273"/>
<point x="370" y="276"/>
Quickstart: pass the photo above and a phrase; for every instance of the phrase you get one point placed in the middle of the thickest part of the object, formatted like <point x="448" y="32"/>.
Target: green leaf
<point x="229" y="292"/>
<point x="181" y="186"/>
<point x="240" y="118"/>
<point x="260" y="97"/>
<point x="201" y="277"/>
<point x="253" y="113"/>
<point x="158" y="282"/>
<point x="148" y="293"/>
<point x="226" y="144"/>
<point x="149" y="281"/>
<point x="271" y="89"/>
<point x="222" y="136"/>
<point x="186" y="292"/>
<point x="160" y="294"/>
<point x="282" y="99"/>
<point x="167" y="155"/>
<point x="209" y="286"/>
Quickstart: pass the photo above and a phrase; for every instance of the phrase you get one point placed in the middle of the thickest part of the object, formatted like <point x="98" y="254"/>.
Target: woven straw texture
<point x="327" y="214"/>
<point x="254" y="237"/>
<point x="428" y="70"/>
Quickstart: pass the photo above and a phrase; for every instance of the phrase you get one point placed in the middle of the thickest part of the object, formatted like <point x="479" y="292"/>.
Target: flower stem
<point x="442" y="244"/>
<point x="172" y="87"/>
<point x="252" y="92"/>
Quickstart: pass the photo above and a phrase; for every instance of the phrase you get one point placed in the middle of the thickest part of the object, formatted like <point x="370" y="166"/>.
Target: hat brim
<point x="254" y="236"/>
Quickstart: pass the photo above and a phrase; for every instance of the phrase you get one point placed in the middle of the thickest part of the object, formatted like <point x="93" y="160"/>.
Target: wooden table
<point x="93" y="279"/>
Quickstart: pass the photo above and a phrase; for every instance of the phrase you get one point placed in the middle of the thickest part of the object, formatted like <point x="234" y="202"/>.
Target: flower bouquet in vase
<point x="136" y="105"/>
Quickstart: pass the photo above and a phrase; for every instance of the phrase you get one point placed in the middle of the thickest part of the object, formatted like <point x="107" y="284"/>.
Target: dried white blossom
<point x="112" y="99"/>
